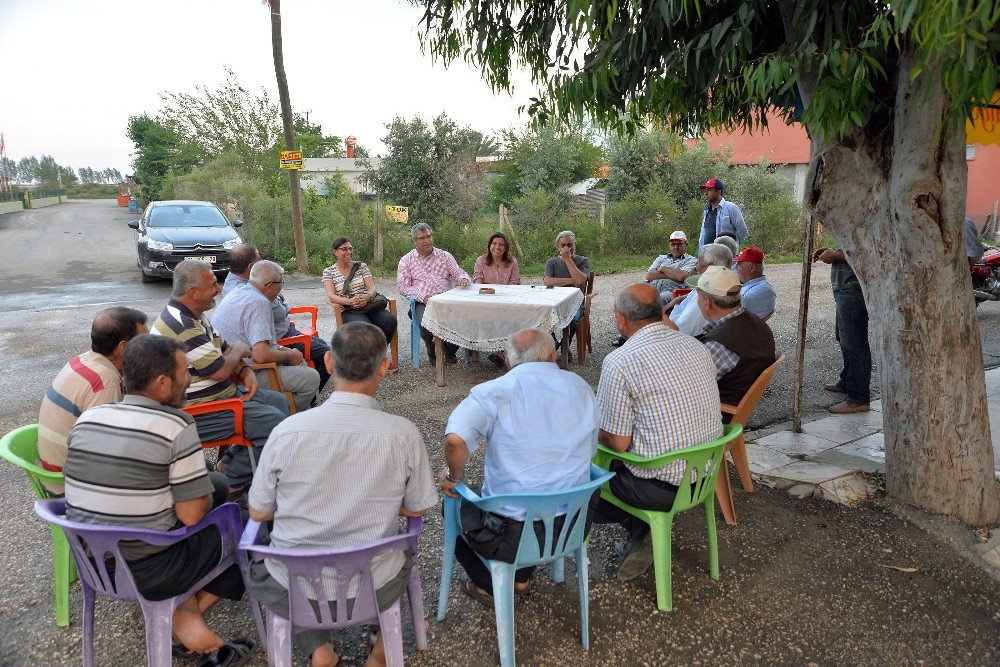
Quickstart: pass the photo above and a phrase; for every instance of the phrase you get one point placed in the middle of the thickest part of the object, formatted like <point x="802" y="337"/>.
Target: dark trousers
<point x="317" y="350"/>
<point x="641" y="493"/>
<point x="852" y="334"/>
<point x="383" y="319"/>
<point x="450" y="349"/>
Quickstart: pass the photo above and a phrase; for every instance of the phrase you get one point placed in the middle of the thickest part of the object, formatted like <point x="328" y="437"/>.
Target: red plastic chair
<point x="681" y="290"/>
<point x="313" y="313"/>
<point x="235" y="406"/>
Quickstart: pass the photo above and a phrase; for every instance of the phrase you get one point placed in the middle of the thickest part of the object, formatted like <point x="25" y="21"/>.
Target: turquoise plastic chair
<point x="570" y="542"/>
<point x="414" y="335"/>
<point x="20" y="447"/>
<point x="702" y="463"/>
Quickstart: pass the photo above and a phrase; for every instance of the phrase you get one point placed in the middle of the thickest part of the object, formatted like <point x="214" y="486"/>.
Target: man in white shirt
<point x="685" y="316"/>
<point x="540" y="425"/>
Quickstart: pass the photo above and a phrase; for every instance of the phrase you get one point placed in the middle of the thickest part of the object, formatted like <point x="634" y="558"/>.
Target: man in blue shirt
<point x="757" y="294"/>
<point x="540" y="425"/>
<point x="722" y="217"/>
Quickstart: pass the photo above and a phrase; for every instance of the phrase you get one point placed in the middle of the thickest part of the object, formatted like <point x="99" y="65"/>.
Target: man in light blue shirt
<point x="757" y="294"/>
<point x="721" y="216"/>
<point x="540" y="424"/>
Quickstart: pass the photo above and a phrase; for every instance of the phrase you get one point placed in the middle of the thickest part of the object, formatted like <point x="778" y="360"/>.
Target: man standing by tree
<point x="852" y="334"/>
<point x="722" y="217"/>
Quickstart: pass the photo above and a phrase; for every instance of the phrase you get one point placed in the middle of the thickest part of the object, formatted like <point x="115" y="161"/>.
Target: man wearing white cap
<point x="669" y="272"/>
<point x="741" y="345"/>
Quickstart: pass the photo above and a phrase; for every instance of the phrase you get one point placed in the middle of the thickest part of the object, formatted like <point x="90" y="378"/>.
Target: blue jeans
<point x="317" y="351"/>
<point x="852" y="334"/>
<point x="260" y="415"/>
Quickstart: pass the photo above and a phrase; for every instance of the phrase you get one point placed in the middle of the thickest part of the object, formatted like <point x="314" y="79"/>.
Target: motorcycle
<point x="986" y="277"/>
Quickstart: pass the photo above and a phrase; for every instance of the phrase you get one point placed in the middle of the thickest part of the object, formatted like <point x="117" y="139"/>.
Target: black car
<point x="175" y="230"/>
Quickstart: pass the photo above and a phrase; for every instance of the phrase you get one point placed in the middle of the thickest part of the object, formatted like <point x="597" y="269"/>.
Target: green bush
<point x="92" y="191"/>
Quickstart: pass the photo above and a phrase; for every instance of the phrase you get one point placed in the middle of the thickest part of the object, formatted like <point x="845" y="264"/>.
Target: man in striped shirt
<point x="92" y="378"/>
<point x="425" y="272"/>
<point x="212" y="363"/>
<point x="139" y="464"/>
<point x="657" y="394"/>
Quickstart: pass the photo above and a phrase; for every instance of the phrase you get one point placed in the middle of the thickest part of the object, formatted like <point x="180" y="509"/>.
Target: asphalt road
<point x="802" y="581"/>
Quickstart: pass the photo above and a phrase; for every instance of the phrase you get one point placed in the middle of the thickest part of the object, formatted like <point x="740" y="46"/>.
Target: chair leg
<point x="724" y="494"/>
<point x="448" y="557"/>
<point x="158" y="617"/>
<point x="416" y="598"/>
<point x="414" y="336"/>
<point x="581" y="341"/>
<point x="62" y="571"/>
<point x="662" y="530"/>
<point x="394" y="347"/>
<point x="584" y="583"/>
<point x="503" y="605"/>
<point x="89" y="599"/>
<point x="739" y="452"/>
<point x="713" y="539"/>
<point x="557" y="570"/>
<point x="279" y="645"/>
<point x="392" y="635"/>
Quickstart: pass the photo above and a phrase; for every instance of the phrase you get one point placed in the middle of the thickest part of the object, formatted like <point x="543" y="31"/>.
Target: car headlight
<point x="159" y="245"/>
<point x="232" y="243"/>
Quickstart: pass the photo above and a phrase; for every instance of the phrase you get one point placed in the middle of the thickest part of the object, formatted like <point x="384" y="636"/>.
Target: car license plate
<point x="207" y="258"/>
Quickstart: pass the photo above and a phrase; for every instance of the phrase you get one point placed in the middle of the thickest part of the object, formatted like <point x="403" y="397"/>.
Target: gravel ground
<point x="802" y="581"/>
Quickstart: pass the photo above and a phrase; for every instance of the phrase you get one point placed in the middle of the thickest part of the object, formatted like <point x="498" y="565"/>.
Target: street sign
<point x="290" y="160"/>
<point x="397" y="214"/>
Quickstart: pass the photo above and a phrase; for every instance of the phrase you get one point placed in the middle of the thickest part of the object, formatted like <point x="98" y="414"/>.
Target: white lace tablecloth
<point x="484" y="322"/>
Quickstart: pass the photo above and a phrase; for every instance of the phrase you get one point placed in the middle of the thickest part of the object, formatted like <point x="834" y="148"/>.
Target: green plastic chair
<point x="20" y="447"/>
<point x="704" y="461"/>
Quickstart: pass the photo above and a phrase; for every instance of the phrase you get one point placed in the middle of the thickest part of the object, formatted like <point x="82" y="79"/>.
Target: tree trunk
<point x="286" y="121"/>
<point x="895" y="201"/>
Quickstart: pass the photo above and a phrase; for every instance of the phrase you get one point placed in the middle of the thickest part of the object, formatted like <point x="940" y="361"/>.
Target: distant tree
<point x="48" y="171"/>
<point x="159" y="149"/>
<point x="426" y="167"/>
<point x="27" y="169"/>
<point x="547" y="158"/>
<point x="67" y="176"/>
<point x="9" y="167"/>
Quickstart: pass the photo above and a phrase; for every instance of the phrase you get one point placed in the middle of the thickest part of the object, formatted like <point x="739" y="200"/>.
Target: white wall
<point x="11" y="207"/>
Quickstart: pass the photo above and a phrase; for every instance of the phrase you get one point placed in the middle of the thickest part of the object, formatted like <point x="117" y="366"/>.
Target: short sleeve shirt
<point x="245" y="316"/>
<point x="556" y="267"/>
<point x="203" y="348"/>
<point x="332" y="274"/>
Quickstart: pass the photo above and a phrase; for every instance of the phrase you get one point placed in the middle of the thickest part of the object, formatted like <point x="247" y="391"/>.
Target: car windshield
<point x="186" y="215"/>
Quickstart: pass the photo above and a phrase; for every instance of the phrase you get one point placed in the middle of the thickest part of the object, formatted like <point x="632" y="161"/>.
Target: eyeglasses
<point x="345" y="248"/>
<point x="423" y="238"/>
<point x="276" y="282"/>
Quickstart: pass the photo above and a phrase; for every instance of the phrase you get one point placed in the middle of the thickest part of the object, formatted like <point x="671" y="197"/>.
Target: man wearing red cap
<point x="722" y="217"/>
<point x="757" y="293"/>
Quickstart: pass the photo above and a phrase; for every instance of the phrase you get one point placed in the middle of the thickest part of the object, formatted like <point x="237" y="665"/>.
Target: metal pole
<point x="800" y="347"/>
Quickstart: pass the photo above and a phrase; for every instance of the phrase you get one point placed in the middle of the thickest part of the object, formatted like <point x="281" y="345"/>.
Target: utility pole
<point x="286" y="120"/>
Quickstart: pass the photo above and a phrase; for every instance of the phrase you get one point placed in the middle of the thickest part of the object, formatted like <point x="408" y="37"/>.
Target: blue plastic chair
<point x="308" y="600"/>
<point x="88" y="538"/>
<point x="414" y="334"/>
<point x="570" y="542"/>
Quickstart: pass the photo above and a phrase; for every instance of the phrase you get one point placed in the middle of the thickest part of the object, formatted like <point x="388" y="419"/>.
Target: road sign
<point x="397" y="214"/>
<point x="290" y="160"/>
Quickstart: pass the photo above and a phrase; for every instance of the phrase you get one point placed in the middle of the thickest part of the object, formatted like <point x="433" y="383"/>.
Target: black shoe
<point x="496" y="359"/>
<point x="432" y="358"/>
<point x="618" y="342"/>
<point x="637" y="531"/>
<point x="450" y="358"/>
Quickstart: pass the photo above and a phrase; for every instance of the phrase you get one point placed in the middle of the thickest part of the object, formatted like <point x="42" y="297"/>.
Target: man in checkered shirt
<point x="425" y="272"/>
<point x="657" y="394"/>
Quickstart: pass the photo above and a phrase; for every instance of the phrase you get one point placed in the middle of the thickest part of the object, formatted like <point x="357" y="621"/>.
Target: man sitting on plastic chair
<point x="657" y="394"/>
<point x="139" y="464"/>
<point x="344" y="472"/>
<point x="540" y="424"/>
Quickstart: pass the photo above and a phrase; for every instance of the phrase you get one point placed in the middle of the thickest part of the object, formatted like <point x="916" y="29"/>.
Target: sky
<point x="82" y="67"/>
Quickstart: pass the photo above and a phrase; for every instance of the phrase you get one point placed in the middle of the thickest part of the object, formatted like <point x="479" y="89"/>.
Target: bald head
<point x="530" y="345"/>
<point x="113" y="326"/>
<point x="639" y="303"/>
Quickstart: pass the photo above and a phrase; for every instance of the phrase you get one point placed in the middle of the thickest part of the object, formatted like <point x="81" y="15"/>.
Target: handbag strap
<point x="347" y="283"/>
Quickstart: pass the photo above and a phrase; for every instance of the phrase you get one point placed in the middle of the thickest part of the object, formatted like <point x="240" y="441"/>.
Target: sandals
<point x="479" y="596"/>
<point x="232" y="653"/>
<point x="180" y="652"/>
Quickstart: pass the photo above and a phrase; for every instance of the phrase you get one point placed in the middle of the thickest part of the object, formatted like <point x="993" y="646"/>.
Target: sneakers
<point x="849" y="406"/>
<point x="835" y="388"/>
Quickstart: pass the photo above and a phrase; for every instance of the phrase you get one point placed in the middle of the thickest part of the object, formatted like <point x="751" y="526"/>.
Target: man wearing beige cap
<point x="741" y="345"/>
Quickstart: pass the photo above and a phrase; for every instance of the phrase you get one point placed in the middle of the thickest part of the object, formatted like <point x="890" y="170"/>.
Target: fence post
<point x="601" y="207"/>
<point x="277" y="227"/>
<point x="505" y="221"/>
<point x="800" y="347"/>
<point x="378" y="251"/>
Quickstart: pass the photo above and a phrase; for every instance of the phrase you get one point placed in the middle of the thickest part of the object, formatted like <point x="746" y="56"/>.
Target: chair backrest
<point x="701" y="466"/>
<point x="311" y="602"/>
<point x="750" y="399"/>
<point x="92" y="543"/>
<point x="681" y="290"/>
<point x="545" y="507"/>
<point x="20" y="447"/>
<point x="590" y="282"/>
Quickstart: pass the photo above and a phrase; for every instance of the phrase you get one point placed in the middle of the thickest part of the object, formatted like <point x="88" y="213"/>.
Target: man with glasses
<point x="245" y="316"/>
<point x="425" y="272"/>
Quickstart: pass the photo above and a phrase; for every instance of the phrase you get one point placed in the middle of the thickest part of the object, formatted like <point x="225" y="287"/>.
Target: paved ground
<point x="801" y="581"/>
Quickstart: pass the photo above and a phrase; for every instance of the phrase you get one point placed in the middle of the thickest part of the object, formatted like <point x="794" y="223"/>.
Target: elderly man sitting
<point x="567" y="269"/>
<point x="668" y="272"/>
<point x="757" y="293"/>
<point x="685" y="316"/>
<point x="657" y="394"/>
<point x="540" y="426"/>
<point x="245" y="316"/>
<point x="741" y="345"/>
<point x="341" y="475"/>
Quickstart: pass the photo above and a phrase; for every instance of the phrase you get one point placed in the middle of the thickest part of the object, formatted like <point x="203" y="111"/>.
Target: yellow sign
<point x="985" y="125"/>
<point x="290" y="160"/>
<point x="397" y="214"/>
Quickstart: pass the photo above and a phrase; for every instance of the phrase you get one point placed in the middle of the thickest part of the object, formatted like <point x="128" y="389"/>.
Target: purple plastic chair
<point x="87" y="538"/>
<point x="308" y="603"/>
